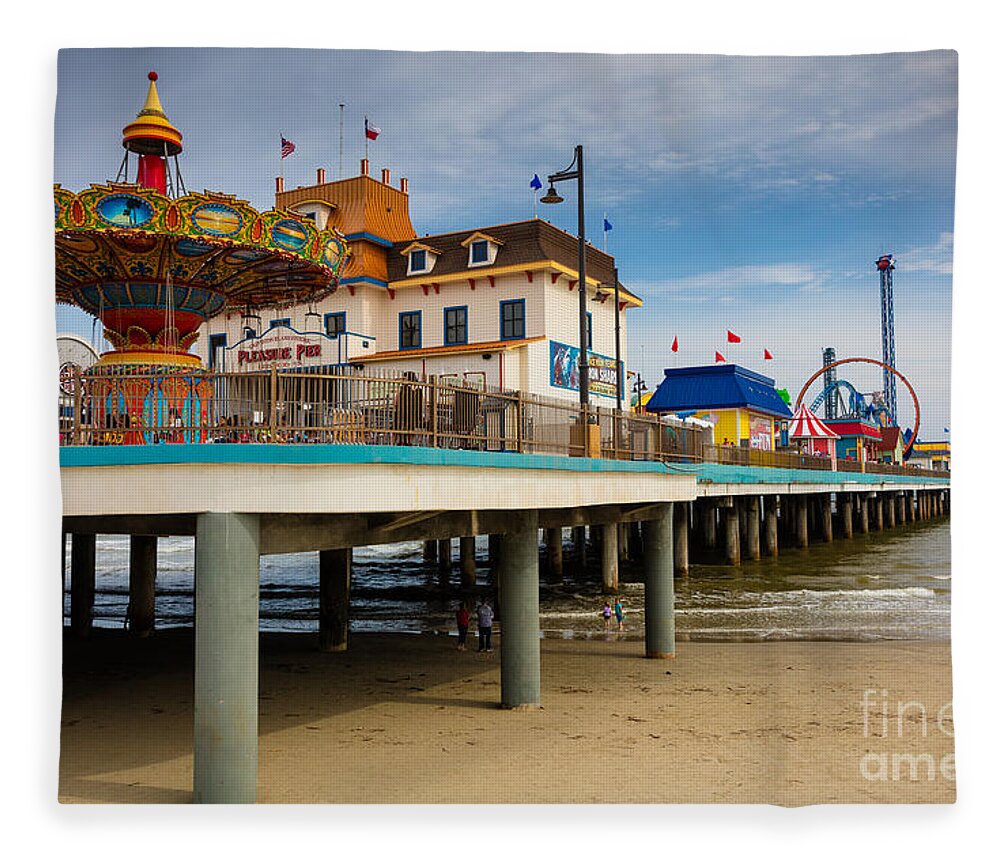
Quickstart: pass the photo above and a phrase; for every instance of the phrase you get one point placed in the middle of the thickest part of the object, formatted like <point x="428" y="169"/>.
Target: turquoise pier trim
<point x="310" y="455"/>
<point x="718" y="473"/>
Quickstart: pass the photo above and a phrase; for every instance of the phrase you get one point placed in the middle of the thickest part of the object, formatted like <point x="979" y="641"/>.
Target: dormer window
<point x="482" y="249"/>
<point x="420" y="258"/>
<point x="479" y="252"/>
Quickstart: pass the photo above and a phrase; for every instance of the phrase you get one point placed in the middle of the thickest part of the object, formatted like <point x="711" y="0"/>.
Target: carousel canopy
<point x="213" y="249"/>
<point x="806" y="425"/>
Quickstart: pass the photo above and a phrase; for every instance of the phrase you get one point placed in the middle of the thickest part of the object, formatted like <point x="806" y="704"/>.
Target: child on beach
<point x="484" y="615"/>
<point x="620" y="614"/>
<point x="462" y="619"/>
<point x="605" y="613"/>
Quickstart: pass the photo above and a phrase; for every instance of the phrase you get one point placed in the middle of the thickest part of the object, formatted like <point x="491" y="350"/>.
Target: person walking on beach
<point x="462" y="619"/>
<point x="484" y="615"/>
<point x="620" y="614"/>
<point x="605" y="613"/>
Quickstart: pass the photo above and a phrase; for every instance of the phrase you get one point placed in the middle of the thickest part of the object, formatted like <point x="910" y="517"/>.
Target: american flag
<point x="287" y="147"/>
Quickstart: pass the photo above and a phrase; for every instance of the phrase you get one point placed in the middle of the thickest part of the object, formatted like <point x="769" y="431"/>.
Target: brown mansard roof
<point x="523" y="242"/>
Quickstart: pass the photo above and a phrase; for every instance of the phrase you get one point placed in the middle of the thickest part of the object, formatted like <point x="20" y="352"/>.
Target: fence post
<point x="77" y="405"/>
<point x="273" y="416"/>
<point x="519" y="410"/>
<point x="434" y="410"/>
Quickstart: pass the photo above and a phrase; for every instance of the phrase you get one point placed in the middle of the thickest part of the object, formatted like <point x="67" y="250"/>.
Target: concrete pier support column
<point x="709" y="533"/>
<point x="658" y="570"/>
<point x="862" y="502"/>
<point x="142" y="585"/>
<point x="879" y="510"/>
<point x="826" y="516"/>
<point x="623" y="536"/>
<point x="467" y="558"/>
<point x="753" y="527"/>
<point x="635" y="540"/>
<point x="520" y="649"/>
<point x="771" y="526"/>
<point x="227" y="592"/>
<point x="430" y="550"/>
<point x="444" y="554"/>
<point x="731" y="525"/>
<point x="925" y="506"/>
<point x="845" y="501"/>
<point x="802" y="521"/>
<point x="554" y="553"/>
<point x="83" y="556"/>
<point x="334" y="598"/>
<point x="936" y="502"/>
<point x="580" y="546"/>
<point x="890" y="511"/>
<point x="682" y="566"/>
<point x="609" y="557"/>
<point x="911" y="502"/>
<point x="900" y="503"/>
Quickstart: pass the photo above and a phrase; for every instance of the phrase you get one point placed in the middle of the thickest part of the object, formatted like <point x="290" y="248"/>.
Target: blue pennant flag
<point x="946" y="430"/>
<point x="536" y="183"/>
<point x="607" y="225"/>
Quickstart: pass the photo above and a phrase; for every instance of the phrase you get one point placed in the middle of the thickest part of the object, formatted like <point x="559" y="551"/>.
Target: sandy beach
<point x="408" y="719"/>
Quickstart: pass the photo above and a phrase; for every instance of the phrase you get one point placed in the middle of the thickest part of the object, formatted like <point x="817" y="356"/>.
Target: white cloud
<point x="746" y="278"/>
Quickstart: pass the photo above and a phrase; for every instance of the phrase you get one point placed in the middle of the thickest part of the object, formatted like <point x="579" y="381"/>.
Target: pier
<point x="282" y="478"/>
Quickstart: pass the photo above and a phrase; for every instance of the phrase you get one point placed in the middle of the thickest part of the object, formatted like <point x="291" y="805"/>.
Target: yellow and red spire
<point x="152" y="133"/>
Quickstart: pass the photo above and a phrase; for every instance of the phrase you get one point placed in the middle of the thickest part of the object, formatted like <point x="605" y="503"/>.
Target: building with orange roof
<point x="494" y="305"/>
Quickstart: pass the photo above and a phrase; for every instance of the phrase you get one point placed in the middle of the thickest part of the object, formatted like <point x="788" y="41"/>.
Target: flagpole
<point x="340" y="171"/>
<point x="366" y="138"/>
<point x="605" y="232"/>
<point x="534" y="208"/>
<point x="281" y="158"/>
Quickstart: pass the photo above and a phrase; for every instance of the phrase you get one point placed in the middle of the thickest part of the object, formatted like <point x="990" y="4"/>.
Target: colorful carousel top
<point x="155" y="268"/>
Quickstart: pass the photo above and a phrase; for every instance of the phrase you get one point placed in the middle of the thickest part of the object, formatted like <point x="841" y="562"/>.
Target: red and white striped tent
<point x="818" y="438"/>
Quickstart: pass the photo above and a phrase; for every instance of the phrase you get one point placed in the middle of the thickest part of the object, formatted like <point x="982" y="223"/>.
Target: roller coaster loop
<point x="884" y="366"/>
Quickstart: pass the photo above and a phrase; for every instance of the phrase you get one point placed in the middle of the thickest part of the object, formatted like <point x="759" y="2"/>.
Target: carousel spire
<point x="153" y="138"/>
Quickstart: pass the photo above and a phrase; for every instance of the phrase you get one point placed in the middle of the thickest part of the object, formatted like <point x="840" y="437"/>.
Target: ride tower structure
<point x="886" y="264"/>
<point x="833" y="405"/>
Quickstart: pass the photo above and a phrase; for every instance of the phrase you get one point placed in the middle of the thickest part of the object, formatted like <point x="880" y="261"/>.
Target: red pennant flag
<point x="719" y="356"/>
<point x="673" y="346"/>
<point x="732" y="338"/>
<point x="767" y="355"/>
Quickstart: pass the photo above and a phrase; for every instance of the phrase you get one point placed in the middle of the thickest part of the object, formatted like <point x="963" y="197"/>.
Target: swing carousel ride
<point x="153" y="262"/>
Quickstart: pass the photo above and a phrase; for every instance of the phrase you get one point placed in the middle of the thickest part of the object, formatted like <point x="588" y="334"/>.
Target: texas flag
<point x="719" y="357"/>
<point x="371" y="132"/>
<point x="732" y="338"/>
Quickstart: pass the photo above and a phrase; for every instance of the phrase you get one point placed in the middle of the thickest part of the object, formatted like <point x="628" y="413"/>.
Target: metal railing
<point x="118" y="406"/>
<point x="122" y="407"/>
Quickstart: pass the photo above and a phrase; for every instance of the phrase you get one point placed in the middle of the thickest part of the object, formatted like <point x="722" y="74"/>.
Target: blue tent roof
<point x="718" y="386"/>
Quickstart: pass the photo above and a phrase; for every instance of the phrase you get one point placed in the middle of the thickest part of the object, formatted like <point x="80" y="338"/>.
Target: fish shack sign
<point x="283" y="349"/>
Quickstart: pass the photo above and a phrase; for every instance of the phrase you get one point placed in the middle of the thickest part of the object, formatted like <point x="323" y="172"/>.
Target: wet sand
<point x="408" y="719"/>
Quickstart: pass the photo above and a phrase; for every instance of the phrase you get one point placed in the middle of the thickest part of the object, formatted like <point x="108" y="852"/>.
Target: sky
<point x="750" y="194"/>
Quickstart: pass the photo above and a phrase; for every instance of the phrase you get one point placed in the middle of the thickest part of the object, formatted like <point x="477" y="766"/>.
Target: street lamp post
<point x="575" y="171"/>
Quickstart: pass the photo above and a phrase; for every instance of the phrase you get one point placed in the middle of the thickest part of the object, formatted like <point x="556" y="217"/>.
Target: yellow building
<point x="744" y="406"/>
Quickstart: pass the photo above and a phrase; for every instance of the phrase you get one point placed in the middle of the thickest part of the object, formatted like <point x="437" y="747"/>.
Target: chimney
<point x="279" y="184"/>
<point x="385" y="175"/>
<point x="364" y="166"/>
<point x="404" y="185"/>
<point x="320" y="176"/>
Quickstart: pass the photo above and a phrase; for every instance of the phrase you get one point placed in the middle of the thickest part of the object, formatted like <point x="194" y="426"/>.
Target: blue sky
<point x="751" y="194"/>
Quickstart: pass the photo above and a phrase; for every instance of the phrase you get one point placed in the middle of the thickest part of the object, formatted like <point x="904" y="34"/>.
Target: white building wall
<point x="551" y="311"/>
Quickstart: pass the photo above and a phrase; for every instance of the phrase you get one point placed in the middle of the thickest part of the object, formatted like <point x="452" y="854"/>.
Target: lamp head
<point x="551" y="196"/>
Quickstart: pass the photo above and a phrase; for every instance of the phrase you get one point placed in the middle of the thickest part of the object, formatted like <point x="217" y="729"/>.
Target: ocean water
<point x="893" y="585"/>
